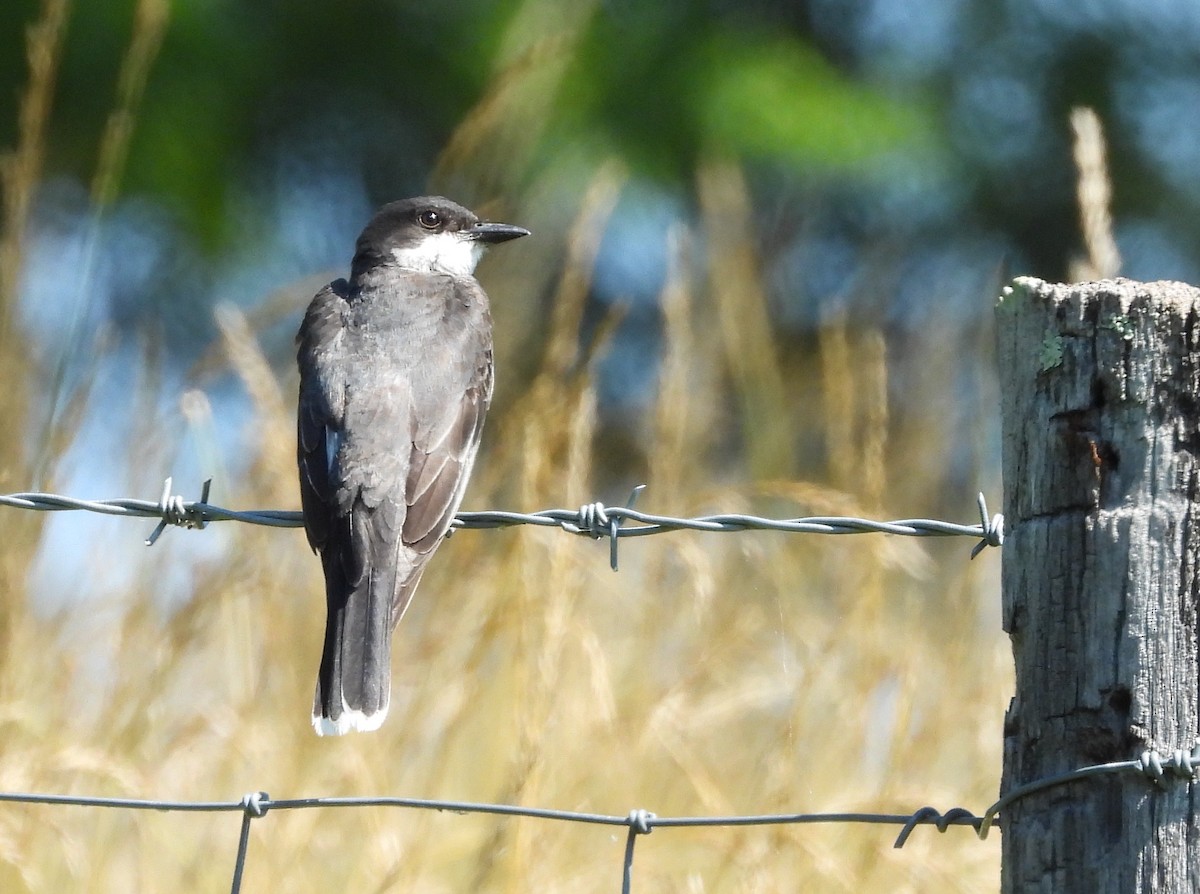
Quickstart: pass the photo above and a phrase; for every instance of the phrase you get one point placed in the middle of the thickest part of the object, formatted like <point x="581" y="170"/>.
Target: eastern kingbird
<point x="395" y="379"/>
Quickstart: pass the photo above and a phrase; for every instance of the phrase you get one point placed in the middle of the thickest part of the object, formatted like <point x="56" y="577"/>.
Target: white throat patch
<point x="450" y="253"/>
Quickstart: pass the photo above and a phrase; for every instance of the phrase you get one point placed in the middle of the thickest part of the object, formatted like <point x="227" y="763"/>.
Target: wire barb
<point x="993" y="528"/>
<point x="614" y="527"/>
<point x="176" y="511"/>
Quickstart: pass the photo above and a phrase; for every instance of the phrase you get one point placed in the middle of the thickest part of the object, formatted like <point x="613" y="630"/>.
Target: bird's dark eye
<point x="429" y="219"/>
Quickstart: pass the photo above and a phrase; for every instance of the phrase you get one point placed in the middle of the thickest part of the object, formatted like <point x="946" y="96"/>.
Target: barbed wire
<point x="593" y="520"/>
<point x="1180" y="765"/>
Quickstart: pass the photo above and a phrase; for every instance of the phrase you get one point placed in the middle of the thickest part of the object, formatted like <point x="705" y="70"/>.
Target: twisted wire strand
<point x="591" y="520"/>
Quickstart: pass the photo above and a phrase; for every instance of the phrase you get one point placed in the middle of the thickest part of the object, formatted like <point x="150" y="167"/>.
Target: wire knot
<point x="592" y="520"/>
<point x="178" y="512"/>
<point x="253" y="804"/>
<point x="174" y="510"/>
<point x="1181" y="763"/>
<point x="640" y="821"/>
<point x="1186" y="763"/>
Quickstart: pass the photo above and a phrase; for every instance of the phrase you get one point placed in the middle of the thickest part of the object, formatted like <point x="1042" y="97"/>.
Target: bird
<point x="395" y="381"/>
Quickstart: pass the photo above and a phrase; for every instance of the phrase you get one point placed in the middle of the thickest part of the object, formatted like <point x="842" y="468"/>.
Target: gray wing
<point x="444" y="444"/>
<point x="410" y="439"/>
<point x="321" y="408"/>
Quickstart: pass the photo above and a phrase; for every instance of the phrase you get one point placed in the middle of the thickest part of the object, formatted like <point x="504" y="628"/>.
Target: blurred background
<point x="767" y="240"/>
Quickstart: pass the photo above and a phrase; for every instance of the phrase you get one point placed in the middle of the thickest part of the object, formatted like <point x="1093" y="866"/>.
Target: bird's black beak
<point x="492" y="233"/>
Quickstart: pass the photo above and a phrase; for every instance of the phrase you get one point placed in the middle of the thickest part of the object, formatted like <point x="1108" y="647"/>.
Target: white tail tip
<point x="351" y="721"/>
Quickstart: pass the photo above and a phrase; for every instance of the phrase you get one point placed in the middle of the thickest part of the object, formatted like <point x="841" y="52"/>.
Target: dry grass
<point x="1102" y="259"/>
<point x="743" y="673"/>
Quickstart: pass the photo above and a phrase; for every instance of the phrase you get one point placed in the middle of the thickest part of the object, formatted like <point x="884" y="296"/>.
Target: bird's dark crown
<point x="423" y="214"/>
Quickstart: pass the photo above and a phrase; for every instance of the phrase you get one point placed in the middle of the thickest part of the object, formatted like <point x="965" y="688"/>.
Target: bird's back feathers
<point x="395" y="381"/>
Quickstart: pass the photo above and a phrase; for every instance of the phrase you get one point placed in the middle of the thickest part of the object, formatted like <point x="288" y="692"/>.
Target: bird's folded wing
<point x="321" y="407"/>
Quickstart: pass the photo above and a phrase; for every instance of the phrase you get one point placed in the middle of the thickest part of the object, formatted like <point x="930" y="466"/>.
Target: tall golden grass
<point x="715" y="674"/>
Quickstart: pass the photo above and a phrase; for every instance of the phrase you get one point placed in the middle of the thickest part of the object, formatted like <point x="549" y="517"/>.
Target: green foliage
<point x="713" y="675"/>
<point x="785" y="103"/>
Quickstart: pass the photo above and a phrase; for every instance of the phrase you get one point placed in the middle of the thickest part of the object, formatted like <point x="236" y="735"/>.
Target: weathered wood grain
<point x="1101" y="408"/>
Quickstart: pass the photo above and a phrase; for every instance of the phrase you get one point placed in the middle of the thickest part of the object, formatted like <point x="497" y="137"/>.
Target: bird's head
<point x="430" y="234"/>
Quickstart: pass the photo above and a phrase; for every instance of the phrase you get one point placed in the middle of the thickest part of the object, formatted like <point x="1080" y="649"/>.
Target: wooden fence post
<point x="1100" y="387"/>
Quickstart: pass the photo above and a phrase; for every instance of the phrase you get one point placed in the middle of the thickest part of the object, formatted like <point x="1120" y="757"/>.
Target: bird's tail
<point x="354" y="682"/>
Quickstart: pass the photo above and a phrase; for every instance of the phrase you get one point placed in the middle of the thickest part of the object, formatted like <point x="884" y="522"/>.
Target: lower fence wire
<point x="1160" y="771"/>
<point x="256" y="805"/>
